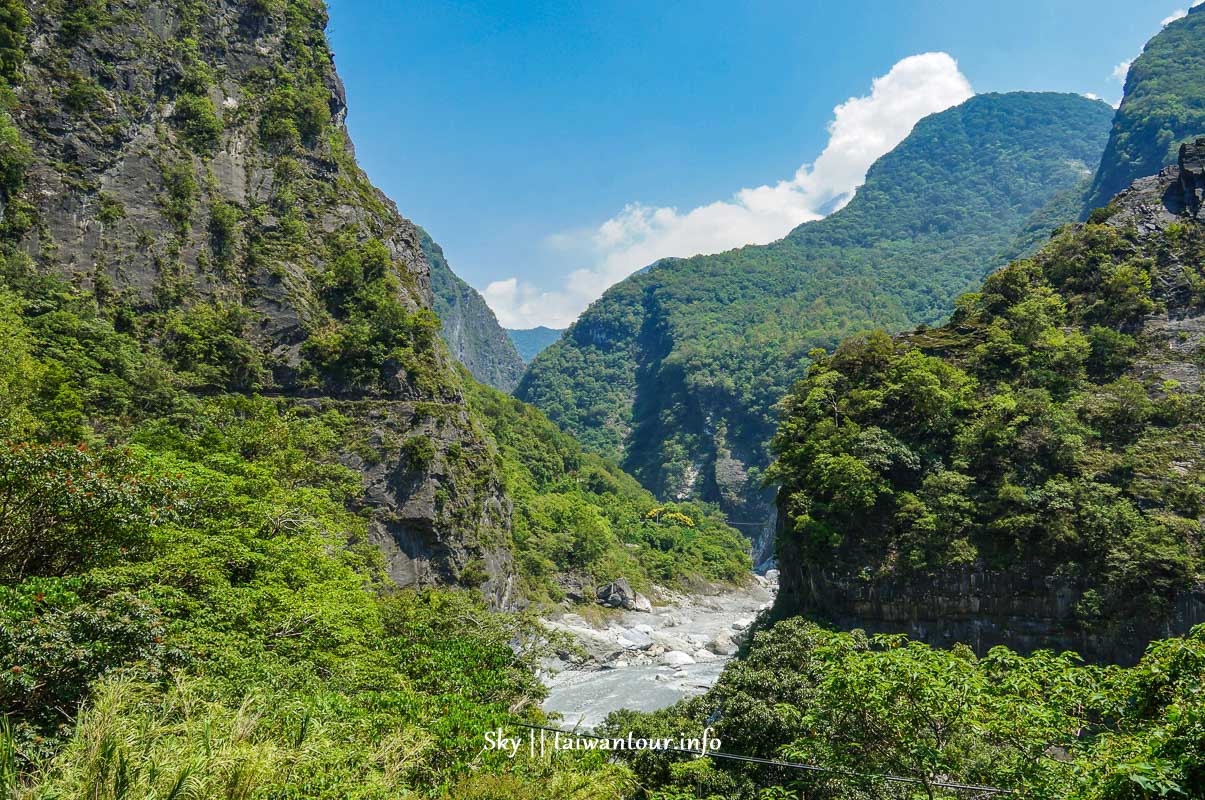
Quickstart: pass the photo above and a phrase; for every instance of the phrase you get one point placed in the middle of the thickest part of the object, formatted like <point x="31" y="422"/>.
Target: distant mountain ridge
<point x="1163" y="107"/>
<point x="530" y="342"/>
<point x="468" y="325"/>
<point x="676" y="370"/>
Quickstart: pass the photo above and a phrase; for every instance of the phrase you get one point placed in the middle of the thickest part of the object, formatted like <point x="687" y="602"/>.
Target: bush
<point x="13" y="22"/>
<point x="198" y="121"/>
<point x="223" y="230"/>
<point x="180" y="192"/>
<point x="15" y="158"/>
<point x="65" y="506"/>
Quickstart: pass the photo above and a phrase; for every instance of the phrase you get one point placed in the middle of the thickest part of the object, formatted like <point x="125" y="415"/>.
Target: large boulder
<point x="723" y="644"/>
<point x="676" y="658"/>
<point x="671" y="642"/>
<point x="633" y="639"/>
<point x="618" y="594"/>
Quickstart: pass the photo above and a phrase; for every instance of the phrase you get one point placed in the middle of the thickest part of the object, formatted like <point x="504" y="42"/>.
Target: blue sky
<point x="551" y="148"/>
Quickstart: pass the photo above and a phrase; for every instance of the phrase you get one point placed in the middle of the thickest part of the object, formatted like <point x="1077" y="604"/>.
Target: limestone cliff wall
<point x="189" y="155"/>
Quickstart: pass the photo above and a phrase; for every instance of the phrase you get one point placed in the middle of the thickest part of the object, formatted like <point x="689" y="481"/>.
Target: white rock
<point x="660" y="677"/>
<point x="722" y="644"/>
<point x="676" y="658"/>
<point x="703" y="656"/>
<point x="635" y="640"/>
<point x="642" y="604"/>
<point x="643" y="629"/>
<point x="671" y="642"/>
<point x="681" y="674"/>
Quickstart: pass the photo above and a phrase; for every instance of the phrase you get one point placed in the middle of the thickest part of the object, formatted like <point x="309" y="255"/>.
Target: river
<point x="647" y="661"/>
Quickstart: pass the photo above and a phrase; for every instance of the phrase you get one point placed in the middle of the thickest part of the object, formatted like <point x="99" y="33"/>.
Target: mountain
<point x="1163" y="106"/>
<point x="1032" y="473"/>
<point x="255" y="520"/>
<point x="469" y="327"/>
<point x="580" y="521"/>
<point x="676" y="370"/>
<point x="187" y="180"/>
<point x="185" y="224"/>
<point x="530" y="342"/>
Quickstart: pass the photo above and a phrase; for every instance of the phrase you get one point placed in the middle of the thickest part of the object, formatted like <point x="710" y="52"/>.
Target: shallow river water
<point x="649" y="661"/>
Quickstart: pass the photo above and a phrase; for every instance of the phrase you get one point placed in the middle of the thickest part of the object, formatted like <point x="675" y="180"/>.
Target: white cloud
<point x="862" y="130"/>
<point x="1122" y="70"/>
<point x="1179" y="13"/>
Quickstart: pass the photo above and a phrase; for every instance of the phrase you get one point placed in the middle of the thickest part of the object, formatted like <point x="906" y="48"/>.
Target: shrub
<point x="64" y="506"/>
<point x="223" y="230"/>
<point x="180" y="192"/>
<point x="198" y="122"/>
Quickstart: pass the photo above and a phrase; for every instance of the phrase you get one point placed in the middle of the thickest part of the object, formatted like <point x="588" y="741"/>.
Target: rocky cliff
<point x="1048" y="493"/>
<point x="186" y="165"/>
<point x="469" y="327"/>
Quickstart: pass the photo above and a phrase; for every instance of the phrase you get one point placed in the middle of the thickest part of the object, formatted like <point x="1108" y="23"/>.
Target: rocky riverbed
<point x="646" y="660"/>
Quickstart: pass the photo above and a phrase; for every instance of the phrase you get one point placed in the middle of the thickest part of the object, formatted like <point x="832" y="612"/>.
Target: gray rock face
<point x="469" y="327"/>
<point x="1192" y="175"/>
<point x="124" y="201"/>
<point x="1023" y="610"/>
<point x="576" y="587"/>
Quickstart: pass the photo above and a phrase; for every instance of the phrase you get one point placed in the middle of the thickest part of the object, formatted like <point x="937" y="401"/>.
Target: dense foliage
<point x="1164" y="105"/>
<point x="1043" y="428"/>
<point x="577" y="513"/>
<point x="1044" y="726"/>
<point x="188" y="603"/>
<point x="196" y="612"/>
<point x="677" y="369"/>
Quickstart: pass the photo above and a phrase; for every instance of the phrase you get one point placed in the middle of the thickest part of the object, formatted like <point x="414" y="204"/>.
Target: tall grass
<point x="137" y="741"/>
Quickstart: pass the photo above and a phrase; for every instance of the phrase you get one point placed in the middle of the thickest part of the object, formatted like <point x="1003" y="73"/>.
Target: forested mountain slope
<point x="468" y="326"/>
<point x="230" y="433"/>
<point x="181" y="181"/>
<point x="530" y="342"/>
<point x="184" y="219"/>
<point x="580" y="521"/>
<point x="1033" y="472"/>
<point x="677" y="368"/>
<point x="1163" y="106"/>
